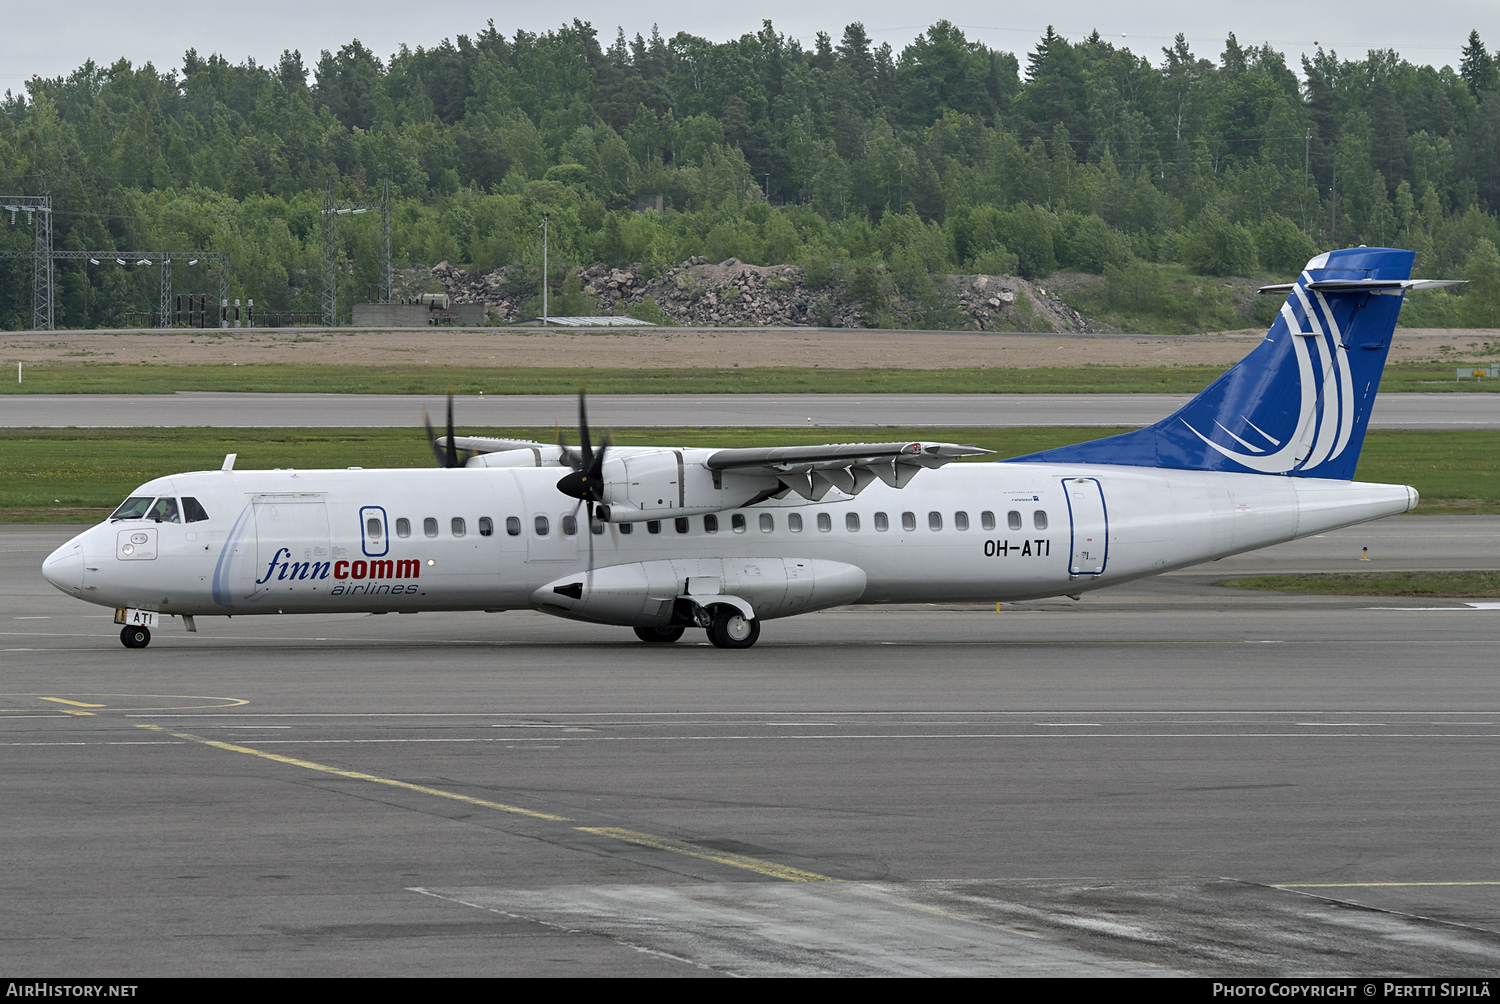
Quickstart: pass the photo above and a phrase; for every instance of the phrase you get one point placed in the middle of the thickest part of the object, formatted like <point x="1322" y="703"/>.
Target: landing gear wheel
<point x="134" y="636"/>
<point x="659" y="636"/>
<point x="732" y="629"/>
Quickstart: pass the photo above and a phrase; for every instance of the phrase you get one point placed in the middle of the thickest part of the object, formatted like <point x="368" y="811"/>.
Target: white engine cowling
<point x="646" y="593"/>
<point x="663" y="484"/>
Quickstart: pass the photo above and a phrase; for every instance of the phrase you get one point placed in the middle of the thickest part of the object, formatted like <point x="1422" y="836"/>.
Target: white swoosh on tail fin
<point x="1314" y="441"/>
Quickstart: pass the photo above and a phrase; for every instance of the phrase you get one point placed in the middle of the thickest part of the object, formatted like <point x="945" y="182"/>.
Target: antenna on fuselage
<point x="228" y="462"/>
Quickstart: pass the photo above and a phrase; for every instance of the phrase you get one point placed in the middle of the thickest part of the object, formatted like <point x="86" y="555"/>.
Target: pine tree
<point x="1477" y="67"/>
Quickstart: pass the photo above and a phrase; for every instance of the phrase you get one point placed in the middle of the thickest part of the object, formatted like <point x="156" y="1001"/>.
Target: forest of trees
<point x="943" y="157"/>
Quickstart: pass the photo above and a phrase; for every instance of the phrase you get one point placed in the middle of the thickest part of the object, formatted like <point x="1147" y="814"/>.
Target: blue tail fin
<point x="1299" y="403"/>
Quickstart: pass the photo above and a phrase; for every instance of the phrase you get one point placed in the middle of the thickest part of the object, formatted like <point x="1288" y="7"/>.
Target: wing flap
<point x="791" y="459"/>
<point x="811" y="471"/>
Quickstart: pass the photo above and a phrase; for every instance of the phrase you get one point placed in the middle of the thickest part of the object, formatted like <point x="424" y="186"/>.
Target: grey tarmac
<point x="1166" y="779"/>
<point x="218" y="410"/>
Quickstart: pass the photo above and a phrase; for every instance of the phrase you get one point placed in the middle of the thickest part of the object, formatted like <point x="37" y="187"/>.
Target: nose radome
<point x="64" y="568"/>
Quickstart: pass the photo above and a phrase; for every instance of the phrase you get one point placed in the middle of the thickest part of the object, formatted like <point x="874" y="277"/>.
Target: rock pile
<point x="991" y="300"/>
<point x="736" y="294"/>
<point x="481" y="287"/>
<point x="731" y="293"/>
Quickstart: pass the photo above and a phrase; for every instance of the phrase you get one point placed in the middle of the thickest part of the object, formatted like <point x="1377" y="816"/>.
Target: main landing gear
<point x="732" y="629"/>
<point x="726" y="627"/>
<point x="135" y="636"/>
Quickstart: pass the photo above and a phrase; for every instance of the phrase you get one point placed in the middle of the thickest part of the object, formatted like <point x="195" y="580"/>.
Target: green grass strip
<point x="74" y="475"/>
<point x="151" y="378"/>
<point x="1461" y="584"/>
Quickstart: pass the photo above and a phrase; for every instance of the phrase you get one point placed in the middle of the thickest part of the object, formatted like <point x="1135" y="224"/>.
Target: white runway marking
<point x="827" y="737"/>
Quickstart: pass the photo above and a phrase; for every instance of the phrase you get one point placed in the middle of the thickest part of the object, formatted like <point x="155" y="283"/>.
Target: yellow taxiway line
<point x="742" y="861"/>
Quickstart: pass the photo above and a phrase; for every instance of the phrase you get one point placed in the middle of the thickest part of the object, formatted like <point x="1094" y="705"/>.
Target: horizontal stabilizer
<point x="1357" y="285"/>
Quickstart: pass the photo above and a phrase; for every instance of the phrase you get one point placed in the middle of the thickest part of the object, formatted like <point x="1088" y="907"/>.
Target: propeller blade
<point x="452" y="458"/>
<point x="589" y="529"/>
<point x="583" y="430"/>
<point x="432" y="440"/>
<point x="446" y="452"/>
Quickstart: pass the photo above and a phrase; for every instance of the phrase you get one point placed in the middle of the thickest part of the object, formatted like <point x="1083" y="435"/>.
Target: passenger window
<point x="513" y="525"/>
<point x="1013" y="520"/>
<point x="570" y="525"/>
<point x="908" y="521"/>
<point x="681" y="524"/>
<point x="165" y="511"/>
<point x="987" y="520"/>
<point x="373" y="529"/>
<point x="403" y="527"/>
<point x="882" y="524"/>
<point x="627" y="527"/>
<point x="457" y="526"/>
<point x="486" y="526"/>
<point x="737" y="522"/>
<point x="541" y="526"/>
<point x="1039" y="520"/>
<point x="767" y="522"/>
<point x="653" y="526"/>
<point x="794" y="522"/>
<point x="710" y="523"/>
<point x="596" y="525"/>
<point x="851" y="522"/>
<point x="192" y="512"/>
<point x="132" y="508"/>
<point x="934" y="521"/>
<point x="960" y="521"/>
<point x="825" y="522"/>
<point x="429" y="526"/>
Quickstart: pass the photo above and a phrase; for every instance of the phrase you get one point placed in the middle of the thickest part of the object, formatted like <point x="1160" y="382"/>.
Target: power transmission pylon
<point x="385" y="225"/>
<point x="332" y="210"/>
<point x="38" y="210"/>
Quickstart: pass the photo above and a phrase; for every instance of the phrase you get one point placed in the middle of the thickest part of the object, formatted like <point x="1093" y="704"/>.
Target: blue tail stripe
<point x="1299" y="403"/>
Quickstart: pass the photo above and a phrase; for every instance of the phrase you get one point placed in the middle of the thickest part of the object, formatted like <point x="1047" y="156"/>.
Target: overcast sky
<point x="54" y="40"/>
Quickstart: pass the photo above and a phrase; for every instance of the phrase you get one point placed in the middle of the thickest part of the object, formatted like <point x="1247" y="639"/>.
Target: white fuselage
<point x="470" y="539"/>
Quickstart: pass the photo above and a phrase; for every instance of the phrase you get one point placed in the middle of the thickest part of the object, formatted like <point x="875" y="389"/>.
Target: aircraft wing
<point x="738" y="476"/>
<point x="478" y="445"/>
<point x="811" y="470"/>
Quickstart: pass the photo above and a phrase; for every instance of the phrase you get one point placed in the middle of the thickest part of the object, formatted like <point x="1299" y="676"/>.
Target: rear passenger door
<point x="1089" y="521"/>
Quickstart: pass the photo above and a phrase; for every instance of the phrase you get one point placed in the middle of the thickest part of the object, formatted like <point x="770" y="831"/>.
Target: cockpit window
<point x="133" y="508"/>
<point x="192" y="511"/>
<point x="165" y="511"/>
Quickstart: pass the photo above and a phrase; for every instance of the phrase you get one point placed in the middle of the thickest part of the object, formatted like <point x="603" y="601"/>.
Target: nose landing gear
<point x="135" y="636"/>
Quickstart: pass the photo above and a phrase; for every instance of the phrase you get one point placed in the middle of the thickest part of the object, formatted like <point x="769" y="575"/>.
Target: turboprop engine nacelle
<point x="663" y="484"/>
